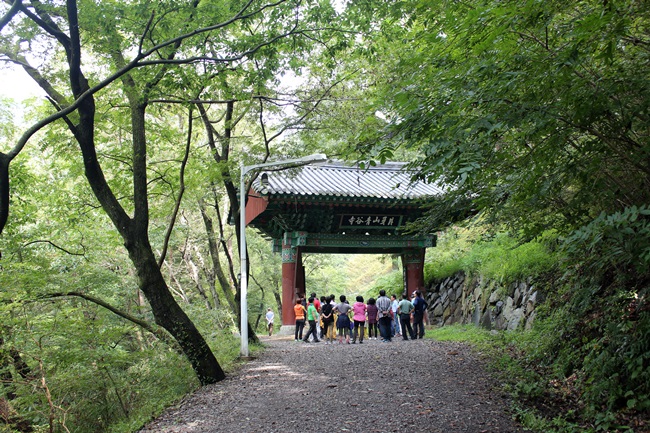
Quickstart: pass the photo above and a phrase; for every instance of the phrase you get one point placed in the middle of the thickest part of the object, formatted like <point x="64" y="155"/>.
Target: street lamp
<point x="310" y="159"/>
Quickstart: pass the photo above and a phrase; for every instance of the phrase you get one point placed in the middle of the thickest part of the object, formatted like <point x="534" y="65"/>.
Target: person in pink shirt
<point x="359" y="317"/>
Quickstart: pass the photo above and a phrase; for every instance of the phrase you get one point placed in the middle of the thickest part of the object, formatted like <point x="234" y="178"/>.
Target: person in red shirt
<point x="316" y="302"/>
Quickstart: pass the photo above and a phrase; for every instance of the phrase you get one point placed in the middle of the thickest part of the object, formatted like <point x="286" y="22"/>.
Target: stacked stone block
<point x="462" y="300"/>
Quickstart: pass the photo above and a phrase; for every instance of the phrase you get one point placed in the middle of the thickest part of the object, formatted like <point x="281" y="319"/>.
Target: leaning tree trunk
<point x="278" y="301"/>
<point x="168" y="314"/>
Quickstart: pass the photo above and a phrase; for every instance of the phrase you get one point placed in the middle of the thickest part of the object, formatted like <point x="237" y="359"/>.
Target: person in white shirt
<point x="395" y="325"/>
<point x="269" y="320"/>
<point x="384" y="315"/>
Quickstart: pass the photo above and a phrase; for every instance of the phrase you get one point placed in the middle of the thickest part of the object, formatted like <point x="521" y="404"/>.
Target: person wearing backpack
<point x="371" y="308"/>
<point x="419" y="308"/>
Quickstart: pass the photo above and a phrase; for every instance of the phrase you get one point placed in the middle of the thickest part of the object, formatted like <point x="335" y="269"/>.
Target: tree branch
<point x="172" y="221"/>
<point x="155" y="330"/>
<point x="13" y="10"/>
<point x="82" y="92"/>
<point x="222" y="239"/>
<point x="55" y="246"/>
<point x="134" y="63"/>
<point x="44" y="21"/>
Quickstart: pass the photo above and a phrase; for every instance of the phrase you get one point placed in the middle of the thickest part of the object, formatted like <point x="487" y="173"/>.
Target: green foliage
<point x="503" y="258"/>
<point x="500" y="257"/>
<point x="606" y="315"/>
<point x="591" y="354"/>
<point x="620" y="240"/>
<point x="464" y="333"/>
<point x="591" y="341"/>
<point x="532" y="110"/>
<point x="366" y="271"/>
<point x="447" y="257"/>
<point x="86" y="371"/>
<point x="392" y="283"/>
<point x="7" y="122"/>
<point x="102" y="373"/>
<point x="537" y="113"/>
<point x="587" y="358"/>
<point x="351" y="275"/>
<point x="327" y="273"/>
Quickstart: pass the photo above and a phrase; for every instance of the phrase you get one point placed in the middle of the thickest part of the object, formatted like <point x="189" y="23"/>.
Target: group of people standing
<point x="385" y="318"/>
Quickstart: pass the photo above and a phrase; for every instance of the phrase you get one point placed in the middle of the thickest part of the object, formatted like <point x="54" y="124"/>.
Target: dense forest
<point x="119" y="287"/>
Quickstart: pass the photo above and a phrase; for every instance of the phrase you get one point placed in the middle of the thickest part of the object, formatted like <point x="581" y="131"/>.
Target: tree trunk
<point x="11" y="360"/>
<point x="196" y="277"/>
<point x="278" y="301"/>
<point x="4" y="191"/>
<point x="221" y="157"/>
<point x="168" y="314"/>
<point x="214" y="255"/>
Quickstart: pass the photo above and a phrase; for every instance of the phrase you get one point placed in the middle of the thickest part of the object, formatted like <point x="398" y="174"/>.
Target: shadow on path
<point x="295" y="387"/>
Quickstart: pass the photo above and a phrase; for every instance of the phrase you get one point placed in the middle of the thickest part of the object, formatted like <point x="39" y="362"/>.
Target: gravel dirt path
<point x="295" y="387"/>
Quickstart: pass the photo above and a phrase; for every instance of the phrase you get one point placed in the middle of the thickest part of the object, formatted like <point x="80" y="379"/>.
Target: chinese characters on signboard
<point x="370" y="221"/>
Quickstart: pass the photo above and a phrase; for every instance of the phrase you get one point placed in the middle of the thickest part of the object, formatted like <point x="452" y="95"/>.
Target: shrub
<point x="500" y="257"/>
<point x="588" y="354"/>
<point x="596" y="327"/>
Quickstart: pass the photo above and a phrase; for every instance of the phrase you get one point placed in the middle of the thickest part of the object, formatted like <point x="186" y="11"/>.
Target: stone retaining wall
<point x="461" y="300"/>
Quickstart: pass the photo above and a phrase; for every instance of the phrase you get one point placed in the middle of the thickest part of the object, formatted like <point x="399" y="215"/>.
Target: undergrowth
<point x="585" y="365"/>
<point x="499" y="256"/>
<point x="83" y="369"/>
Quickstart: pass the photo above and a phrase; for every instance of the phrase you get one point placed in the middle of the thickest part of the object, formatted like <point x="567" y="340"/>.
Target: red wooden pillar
<point x="293" y="274"/>
<point x="293" y="281"/>
<point x="288" y="284"/>
<point x="301" y="287"/>
<point x="413" y="264"/>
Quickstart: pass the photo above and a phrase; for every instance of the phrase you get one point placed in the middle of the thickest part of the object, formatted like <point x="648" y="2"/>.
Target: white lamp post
<point x="319" y="157"/>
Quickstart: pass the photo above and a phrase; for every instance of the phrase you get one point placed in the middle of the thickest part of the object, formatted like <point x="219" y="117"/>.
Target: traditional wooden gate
<point x="334" y="208"/>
